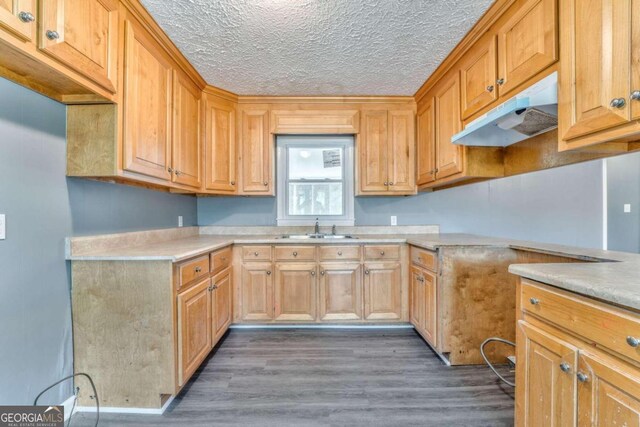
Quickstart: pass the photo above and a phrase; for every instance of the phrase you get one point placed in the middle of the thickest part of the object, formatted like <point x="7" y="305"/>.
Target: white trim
<point x="320" y="326"/>
<point x="68" y="404"/>
<point x="116" y="410"/>
<point x="605" y="202"/>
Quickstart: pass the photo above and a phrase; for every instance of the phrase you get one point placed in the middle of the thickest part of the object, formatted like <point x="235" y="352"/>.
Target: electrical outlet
<point x="394" y="220"/>
<point x="627" y="207"/>
<point x="180" y="221"/>
<point x="3" y="227"/>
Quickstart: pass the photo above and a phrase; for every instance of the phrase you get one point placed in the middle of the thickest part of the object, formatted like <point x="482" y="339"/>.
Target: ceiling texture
<point x="316" y="47"/>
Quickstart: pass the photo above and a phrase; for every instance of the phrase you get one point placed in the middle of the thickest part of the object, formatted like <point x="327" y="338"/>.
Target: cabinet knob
<point x="490" y="88"/>
<point x="534" y="301"/>
<point x="295" y="253"/>
<point x="232" y="183"/>
<point x="420" y="279"/>
<point x="339" y="253"/>
<point x="265" y="183"/>
<point x="618" y="103"/>
<point x="209" y="288"/>
<point x="500" y="82"/>
<point x="26" y="16"/>
<point x="366" y="272"/>
<point x="386" y="183"/>
<point x="582" y="377"/>
<point x="390" y="183"/>
<point x="268" y="273"/>
<point x="214" y="287"/>
<point x="52" y="35"/>
<point x="633" y="342"/>
<point x="322" y="273"/>
<point x="381" y="253"/>
<point x="197" y="269"/>
<point x="565" y="367"/>
<point x="255" y="254"/>
<point x="170" y="170"/>
<point x="313" y="273"/>
<point x="178" y="173"/>
<point x="635" y="95"/>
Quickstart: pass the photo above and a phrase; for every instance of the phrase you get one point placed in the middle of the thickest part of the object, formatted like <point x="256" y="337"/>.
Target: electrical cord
<point x="487" y="341"/>
<point x="94" y="396"/>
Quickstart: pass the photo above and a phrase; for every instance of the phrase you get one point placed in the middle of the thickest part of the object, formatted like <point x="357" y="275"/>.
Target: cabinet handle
<point x="618" y="103"/>
<point x="500" y="82"/>
<point x="366" y="272"/>
<point x="255" y="254"/>
<point x="26" y="16"/>
<point x="633" y="342"/>
<point x="420" y="279"/>
<point x="265" y="183"/>
<point x="214" y="287"/>
<point x="313" y="273"/>
<point x="178" y="173"/>
<point x="583" y="378"/>
<point x="52" y="35"/>
<point x="565" y="367"/>
<point x="490" y="88"/>
<point x="390" y="183"/>
<point x="170" y="170"/>
<point x="437" y="170"/>
<point x="339" y="253"/>
<point x="268" y="273"/>
<point x="197" y="269"/>
<point x="381" y="253"/>
<point x="232" y="183"/>
<point x="534" y="301"/>
<point x="322" y="273"/>
<point x="295" y="253"/>
<point x="386" y="184"/>
<point x="635" y="95"/>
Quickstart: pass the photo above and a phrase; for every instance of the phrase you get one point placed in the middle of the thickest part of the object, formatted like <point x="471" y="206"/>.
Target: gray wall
<point x="42" y="207"/>
<point x="623" y="186"/>
<point x="562" y="205"/>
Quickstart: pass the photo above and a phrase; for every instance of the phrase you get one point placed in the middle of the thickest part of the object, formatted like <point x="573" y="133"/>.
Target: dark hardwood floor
<point x="330" y="377"/>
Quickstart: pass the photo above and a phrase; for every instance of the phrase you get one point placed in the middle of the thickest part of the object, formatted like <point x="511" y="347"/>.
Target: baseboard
<point x="68" y="404"/>
<point x="319" y="326"/>
<point x="116" y="410"/>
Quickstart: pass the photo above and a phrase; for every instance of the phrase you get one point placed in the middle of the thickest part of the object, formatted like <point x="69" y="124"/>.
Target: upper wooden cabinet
<point x="386" y="152"/>
<point x="147" y="92"/>
<point x="83" y="35"/>
<point x="447" y="103"/>
<point x="220" y="146"/>
<point x="315" y="121"/>
<point x="426" y="143"/>
<point x="257" y="155"/>
<point x="186" y="159"/>
<point x="599" y="72"/>
<point x="527" y="42"/>
<point x="19" y="18"/>
<point x="478" y="75"/>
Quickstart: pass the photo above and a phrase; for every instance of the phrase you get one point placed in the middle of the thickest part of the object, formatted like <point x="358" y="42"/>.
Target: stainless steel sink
<point x="316" y="236"/>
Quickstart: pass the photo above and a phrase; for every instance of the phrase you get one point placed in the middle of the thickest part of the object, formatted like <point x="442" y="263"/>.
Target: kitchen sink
<point x="316" y="236"/>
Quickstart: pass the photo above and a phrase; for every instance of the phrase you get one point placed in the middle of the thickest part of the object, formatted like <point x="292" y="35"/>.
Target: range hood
<point x="530" y="113"/>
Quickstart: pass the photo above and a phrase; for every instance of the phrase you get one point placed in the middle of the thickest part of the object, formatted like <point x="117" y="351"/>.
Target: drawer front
<point x="295" y="253"/>
<point x="193" y="270"/>
<point x="606" y="326"/>
<point x="335" y="253"/>
<point x="220" y="260"/>
<point x="382" y="252"/>
<point x="424" y="258"/>
<point x="256" y="253"/>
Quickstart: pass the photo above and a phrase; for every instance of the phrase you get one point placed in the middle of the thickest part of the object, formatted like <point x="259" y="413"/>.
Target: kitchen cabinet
<point x="19" y="18"/>
<point x="186" y="158"/>
<point x="382" y="291"/>
<point x="83" y="35"/>
<point x="194" y="328"/>
<point x="426" y="143"/>
<point x="220" y="146"/>
<point x="417" y="298"/>
<point x="386" y="152"/>
<point x="478" y="75"/>
<point x="423" y="294"/>
<point x="257" y="291"/>
<point x="295" y="291"/>
<point x="221" y="304"/>
<point x="599" y="85"/>
<point x="449" y="157"/>
<point x="340" y="291"/>
<point x="257" y="158"/>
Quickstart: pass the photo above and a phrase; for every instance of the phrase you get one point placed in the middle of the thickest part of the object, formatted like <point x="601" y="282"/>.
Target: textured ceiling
<point x="316" y="47"/>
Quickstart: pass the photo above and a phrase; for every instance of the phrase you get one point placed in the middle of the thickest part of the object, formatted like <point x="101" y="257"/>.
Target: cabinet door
<point x="257" y="153"/>
<point x="18" y="17"/>
<point x="295" y="294"/>
<point x="595" y="68"/>
<point x="221" y="305"/>
<point x="401" y="152"/>
<point x="340" y="291"/>
<point x="257" y="291"/>
<point x="220" y="143"/>
<point x="373" y="151"/>
<point x="430" y="307"/>
<point x="426" y="142"/>
<point x="147" y="104"/>
<point x="382" y="288"/>
<point x="186" y="158"/>
<point x="527" y="42"/>
<point x="635" y="60"/>
<point x="478" y="75"/>
<point x="417" y="298"/>
<point x="608" y="391"/>
<point x="546" y="378"/>
<point x="447" y="101"/>
<point x="194" y="328"/>
<point x="83" y="34"/>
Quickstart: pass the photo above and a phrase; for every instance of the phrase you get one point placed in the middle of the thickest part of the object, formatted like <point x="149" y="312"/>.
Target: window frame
<point x="347" y="143"/>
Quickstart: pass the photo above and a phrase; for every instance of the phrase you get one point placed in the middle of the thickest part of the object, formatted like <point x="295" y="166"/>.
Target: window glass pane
<point x="315" y="199"/>
<point x="315" y="163"/>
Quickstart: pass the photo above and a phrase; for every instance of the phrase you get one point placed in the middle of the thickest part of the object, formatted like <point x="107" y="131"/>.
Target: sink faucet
<point x="316" y="230"/>
<point x="333" y="229"/>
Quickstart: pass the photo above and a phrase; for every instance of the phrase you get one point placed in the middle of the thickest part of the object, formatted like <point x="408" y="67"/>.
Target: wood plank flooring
<point x="329" y="377"/>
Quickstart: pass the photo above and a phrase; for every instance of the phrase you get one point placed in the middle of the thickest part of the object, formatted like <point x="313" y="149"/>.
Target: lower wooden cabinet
<point x="295" y="291"/>
<point x="221" y="304"/>
<point x="423" y="308"/>
<point x="194" y="328"/>
<point x="257" y="291"/>
<point x="340" y="291"/>
<point x="382" y="291"/>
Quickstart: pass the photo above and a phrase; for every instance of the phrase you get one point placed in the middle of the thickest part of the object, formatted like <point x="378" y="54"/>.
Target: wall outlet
<point x="3" y="227"/>
<point x="394" y="220"/>
<point x="627" y="207"/>
<point x="180" y="221"/>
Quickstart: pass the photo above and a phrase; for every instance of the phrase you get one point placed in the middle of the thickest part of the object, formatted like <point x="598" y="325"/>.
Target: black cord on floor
<point x="94" y="396"/>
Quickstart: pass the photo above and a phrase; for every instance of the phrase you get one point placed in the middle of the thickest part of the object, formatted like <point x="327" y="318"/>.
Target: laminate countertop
<point x="606" y="275"/>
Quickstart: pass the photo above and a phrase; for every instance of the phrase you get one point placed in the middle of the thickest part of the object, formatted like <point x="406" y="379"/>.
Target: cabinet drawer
<point x="295" y="253"/>
<point x="382" y="252"/>
<point x="605" y="325"/>
<point x="256" y="253"/>
<point x="220" y="260"/>
<point x="424" y="258"/>
<point x="351" y="253"/>
<point x="192" y="270"/>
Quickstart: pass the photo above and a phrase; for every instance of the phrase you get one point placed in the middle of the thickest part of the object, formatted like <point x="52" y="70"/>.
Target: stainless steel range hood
<point x="530" y="113"/>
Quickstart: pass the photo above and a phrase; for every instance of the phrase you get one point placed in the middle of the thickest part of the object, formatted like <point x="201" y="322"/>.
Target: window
<point x="315" y="180"/>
